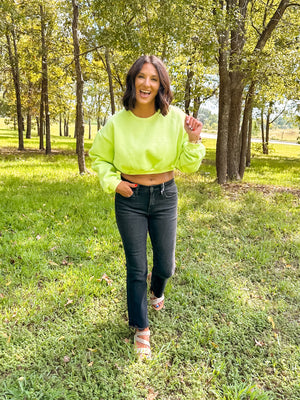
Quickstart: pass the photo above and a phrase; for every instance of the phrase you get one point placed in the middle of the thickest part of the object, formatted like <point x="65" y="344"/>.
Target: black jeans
<point x="150" y="209"/>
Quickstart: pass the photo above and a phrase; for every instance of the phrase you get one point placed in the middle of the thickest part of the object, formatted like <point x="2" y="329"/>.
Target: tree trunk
<point x="41" y="130"/>
<point x="237" y="84"/>
<point x="245" y="133"/>
<point x="236" y="94"/>
<point x="110" y="82"/>
<point x="248" y="156"/>
<point x="187" y="92"/>
<point x="90" y="129"/>
<point x="79" y="123"/>
<point x="224" y="107"/>
<point x="60" y="125"/>
<point x="14" y="64"/>
<point x="266" y="148"/>
<point x="37" y="125"/>
<point x="28" y="124"/>
<point x="262" y="129"/>
<point x="197" y="103"/>
<point x="66" y="126"/>
<point x="44" y="97"/>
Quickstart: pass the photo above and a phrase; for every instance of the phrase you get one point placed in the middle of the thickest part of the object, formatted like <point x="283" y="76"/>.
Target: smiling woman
<point x="145" y="143"/>
<point x="148" y="67"/>
<point x="147" y="84"/>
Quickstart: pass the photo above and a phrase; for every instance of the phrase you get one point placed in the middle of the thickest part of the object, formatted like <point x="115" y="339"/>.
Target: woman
<point x="135" y="155"/>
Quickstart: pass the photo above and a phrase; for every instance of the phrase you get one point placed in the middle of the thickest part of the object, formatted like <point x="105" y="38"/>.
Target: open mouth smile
<point x="145" y="93"/>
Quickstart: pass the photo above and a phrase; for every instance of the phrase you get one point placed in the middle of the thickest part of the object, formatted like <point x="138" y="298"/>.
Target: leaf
<point x="91" y="364"/>
<point x="70" y="301"/>
<point x="52" y="263"/>
<point x="270" y="319"/>
<point x="66" y="359"/>
<point x="105" y="278"/>
<point x="259" y="343"/>
<point x="151" y="394"/>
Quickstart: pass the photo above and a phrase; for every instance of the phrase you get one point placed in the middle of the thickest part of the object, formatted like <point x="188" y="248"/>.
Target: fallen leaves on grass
<point x="233" y="189"/>
<point x="105" y="278"/>
<point x="54" y="264"/>
<point x="66" y="359"/>
<point x="259" y="343"/>
<point x="151" y="394"/>
<point x="70" y="301"/>
<point x="270" y="319"/>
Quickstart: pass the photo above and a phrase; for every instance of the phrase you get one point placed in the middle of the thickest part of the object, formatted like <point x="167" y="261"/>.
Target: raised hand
<point x="193" y="128"/>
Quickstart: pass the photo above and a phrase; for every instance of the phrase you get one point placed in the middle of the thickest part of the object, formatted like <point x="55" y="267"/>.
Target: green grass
<point x="230" y="328"/>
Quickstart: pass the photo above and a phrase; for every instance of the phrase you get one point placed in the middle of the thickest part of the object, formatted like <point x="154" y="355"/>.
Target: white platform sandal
<point x="157" y="302"/>
<point x="142" y="352"/>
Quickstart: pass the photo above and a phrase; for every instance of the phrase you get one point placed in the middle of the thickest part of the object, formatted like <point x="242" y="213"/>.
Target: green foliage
<point x="230" y="328"/>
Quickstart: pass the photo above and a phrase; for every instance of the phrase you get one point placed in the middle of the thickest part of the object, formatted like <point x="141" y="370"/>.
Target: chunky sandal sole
<point x="142" y="352"/>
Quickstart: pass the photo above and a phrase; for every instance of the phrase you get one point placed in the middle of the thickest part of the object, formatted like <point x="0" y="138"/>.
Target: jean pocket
<point x="170" y="192"/>
<point x="127" y="198"/>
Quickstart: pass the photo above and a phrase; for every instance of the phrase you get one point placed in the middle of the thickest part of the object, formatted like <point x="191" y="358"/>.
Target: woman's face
<point x="147" y="84"/>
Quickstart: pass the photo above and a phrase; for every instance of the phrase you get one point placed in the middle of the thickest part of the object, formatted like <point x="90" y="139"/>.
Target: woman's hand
<point x="124" y="188"/>
<point x="193" y="128"/>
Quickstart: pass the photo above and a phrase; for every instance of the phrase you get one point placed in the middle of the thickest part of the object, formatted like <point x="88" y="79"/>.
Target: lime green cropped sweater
<point x="135" y="146"/>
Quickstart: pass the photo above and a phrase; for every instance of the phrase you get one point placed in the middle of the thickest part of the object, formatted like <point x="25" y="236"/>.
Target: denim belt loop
<point x="162" y="189"/>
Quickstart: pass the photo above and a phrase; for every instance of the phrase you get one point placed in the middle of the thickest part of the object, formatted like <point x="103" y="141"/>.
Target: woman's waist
<point x="149" y="179"/>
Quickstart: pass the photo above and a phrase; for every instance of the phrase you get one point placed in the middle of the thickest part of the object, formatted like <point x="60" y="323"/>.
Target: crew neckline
<point x="145" y="118"/>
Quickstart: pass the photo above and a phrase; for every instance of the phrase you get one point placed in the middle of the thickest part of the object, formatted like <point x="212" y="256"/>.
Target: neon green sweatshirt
<point x="135" y="146"/>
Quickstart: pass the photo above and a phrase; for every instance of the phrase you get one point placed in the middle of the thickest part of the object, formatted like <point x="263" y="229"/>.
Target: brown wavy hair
<point x="164" y="96"/>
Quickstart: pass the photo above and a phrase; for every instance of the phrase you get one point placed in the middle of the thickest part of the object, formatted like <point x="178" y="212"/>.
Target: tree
<point x="44" y="106"/>
<point x="236" y="66"/>
<point x="79" y="122"/>
<point x="10" y="17"/>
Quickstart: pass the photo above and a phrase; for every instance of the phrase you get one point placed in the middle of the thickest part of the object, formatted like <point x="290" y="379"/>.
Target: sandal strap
<point x="143" y="341"/>
<point x="156" y="300"/>
<point x="142" y="333"/>
<point x="140" y="340"/>
<point x="142" y="350"/>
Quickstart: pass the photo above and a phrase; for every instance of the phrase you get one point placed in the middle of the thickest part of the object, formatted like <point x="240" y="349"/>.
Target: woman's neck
<point x="143" y="112"/>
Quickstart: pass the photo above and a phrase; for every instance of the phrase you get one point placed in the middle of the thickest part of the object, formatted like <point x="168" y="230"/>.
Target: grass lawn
<point x="230" y="327"/>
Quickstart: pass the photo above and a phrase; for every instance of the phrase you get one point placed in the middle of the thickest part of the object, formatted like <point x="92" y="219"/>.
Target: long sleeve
<point x="102" y="155"/>
<point x="190" y="157"/>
